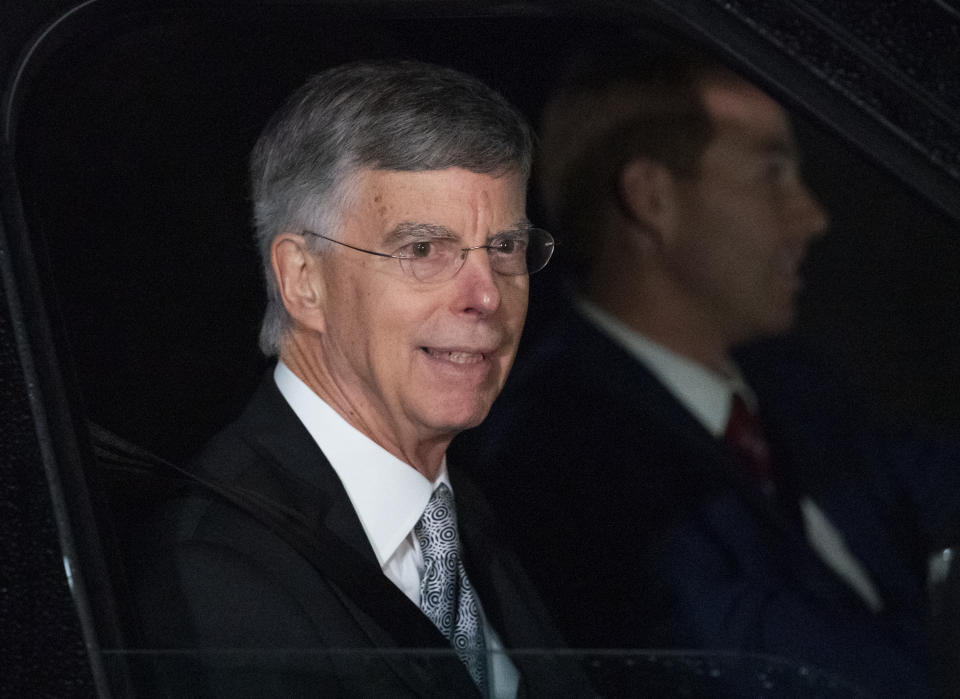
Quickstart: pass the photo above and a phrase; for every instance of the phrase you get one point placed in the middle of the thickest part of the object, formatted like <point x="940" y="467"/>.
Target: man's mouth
<point x="456" y="356"/>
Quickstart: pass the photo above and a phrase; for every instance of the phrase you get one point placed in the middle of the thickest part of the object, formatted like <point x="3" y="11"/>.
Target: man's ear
<point x="648" y="196"/>
<point x="299" y="279"/>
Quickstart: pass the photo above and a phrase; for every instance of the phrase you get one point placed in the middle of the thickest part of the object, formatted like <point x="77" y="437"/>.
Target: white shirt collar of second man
<point x="703" y="392"/>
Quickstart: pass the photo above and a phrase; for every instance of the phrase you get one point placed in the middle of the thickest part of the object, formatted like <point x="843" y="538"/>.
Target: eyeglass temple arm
<point x="354" y="247"/>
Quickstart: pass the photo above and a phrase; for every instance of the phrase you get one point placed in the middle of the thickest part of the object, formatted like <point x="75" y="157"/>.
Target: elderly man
<point x="670" y="493"/>
<point x="390" y="214"/>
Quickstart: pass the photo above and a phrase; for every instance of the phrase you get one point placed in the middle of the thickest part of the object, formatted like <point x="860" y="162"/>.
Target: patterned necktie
<point x="746" y="439"/>
<point x="446" y="596"/>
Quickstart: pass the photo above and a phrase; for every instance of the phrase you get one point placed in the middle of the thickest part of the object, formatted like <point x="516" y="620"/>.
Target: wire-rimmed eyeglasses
<point x="439" y="259"/>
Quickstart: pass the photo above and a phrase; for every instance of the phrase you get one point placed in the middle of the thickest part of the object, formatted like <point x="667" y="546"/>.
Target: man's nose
<point x="477" y="284"/>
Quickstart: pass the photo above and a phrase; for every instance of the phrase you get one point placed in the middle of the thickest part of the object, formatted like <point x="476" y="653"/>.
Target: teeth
<point x="457" y="357"/>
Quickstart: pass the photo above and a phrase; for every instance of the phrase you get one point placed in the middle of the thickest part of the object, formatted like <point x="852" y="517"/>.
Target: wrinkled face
<point x="745" y="219"/>
<point x="425" y="359"/>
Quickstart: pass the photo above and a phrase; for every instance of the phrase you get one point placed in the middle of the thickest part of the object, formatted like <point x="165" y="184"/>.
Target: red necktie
<point x="746" y="439"/>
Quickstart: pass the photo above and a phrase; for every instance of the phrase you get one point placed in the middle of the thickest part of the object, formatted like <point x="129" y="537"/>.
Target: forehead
<point x="459" y="199"/>
<point x="746" y="116"/>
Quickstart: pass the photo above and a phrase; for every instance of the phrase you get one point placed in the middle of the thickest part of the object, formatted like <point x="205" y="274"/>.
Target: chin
<point x="462" y="417"/>
<point x="778" y="325"/>
<point x="773" y="323"/>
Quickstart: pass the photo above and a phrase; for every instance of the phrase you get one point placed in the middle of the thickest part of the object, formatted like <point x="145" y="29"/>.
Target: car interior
<point x="133" y="292"/>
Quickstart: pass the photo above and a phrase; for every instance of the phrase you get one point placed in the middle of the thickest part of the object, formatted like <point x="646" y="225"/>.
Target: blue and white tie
<point x="446" y="596"/>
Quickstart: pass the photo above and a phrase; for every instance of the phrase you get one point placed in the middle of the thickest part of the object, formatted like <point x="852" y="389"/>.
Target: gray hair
<point x="401" y="115"/>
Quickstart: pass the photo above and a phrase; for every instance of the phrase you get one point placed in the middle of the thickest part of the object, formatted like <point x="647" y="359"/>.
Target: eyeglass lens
<point x="509" y="256"/>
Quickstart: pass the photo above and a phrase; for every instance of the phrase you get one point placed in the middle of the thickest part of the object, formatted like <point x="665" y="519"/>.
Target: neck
<point x="304" y="358"/>
<point x="640" y="301"/>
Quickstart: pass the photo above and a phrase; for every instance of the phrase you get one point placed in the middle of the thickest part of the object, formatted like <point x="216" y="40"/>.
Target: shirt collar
<point x="705" y="393"/>
<point x="388" y="494"/>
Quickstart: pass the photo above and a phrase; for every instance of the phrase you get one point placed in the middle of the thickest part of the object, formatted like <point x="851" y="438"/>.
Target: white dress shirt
<point x="708" y="395"/>
<point x="389" y="497"/>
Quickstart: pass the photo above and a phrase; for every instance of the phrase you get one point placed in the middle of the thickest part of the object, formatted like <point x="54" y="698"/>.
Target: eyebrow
<point x="409" y="229"/>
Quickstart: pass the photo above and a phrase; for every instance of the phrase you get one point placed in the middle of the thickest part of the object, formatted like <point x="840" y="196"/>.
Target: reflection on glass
<point x="641" y="673"/>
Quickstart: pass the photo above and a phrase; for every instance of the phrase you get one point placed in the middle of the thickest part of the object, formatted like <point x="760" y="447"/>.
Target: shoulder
<point x="194" y="550"/>
<point x="797" y="386"/>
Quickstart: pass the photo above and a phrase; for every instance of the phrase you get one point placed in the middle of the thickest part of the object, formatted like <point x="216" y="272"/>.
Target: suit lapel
<point x="311" y="487"/>
<point x="663" y="417"/>
<point x="830" y="471"/>
<point x="510" y="603"/>
<point x="790" y="426"/>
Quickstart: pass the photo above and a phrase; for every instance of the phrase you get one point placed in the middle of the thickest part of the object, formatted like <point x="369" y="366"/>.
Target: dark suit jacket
<point x="209" y="576"/>
<point x="645" y="532"/>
